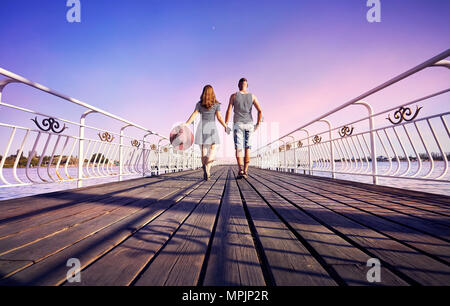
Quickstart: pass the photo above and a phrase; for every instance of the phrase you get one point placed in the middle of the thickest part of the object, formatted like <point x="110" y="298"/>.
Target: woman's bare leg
<point x="211" y="156"/>
<point x="204" y="160"/>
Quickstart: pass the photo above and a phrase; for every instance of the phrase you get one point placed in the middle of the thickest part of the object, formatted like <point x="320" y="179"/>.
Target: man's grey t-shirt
<point x="243" y="108"/>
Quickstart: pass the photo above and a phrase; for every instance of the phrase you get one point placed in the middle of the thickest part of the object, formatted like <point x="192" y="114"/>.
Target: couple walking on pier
<point x="207" y="136"/>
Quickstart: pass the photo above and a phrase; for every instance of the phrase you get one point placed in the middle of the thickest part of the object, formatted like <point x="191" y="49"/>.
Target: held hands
<point x="227" y="130"/>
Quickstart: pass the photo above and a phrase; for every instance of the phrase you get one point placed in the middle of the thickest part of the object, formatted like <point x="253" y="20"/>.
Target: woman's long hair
<point x="208" y="97"/>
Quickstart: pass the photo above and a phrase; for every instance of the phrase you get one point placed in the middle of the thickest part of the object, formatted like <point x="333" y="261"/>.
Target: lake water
<point x="425" y="186"/>
<point x="22" y="191"/>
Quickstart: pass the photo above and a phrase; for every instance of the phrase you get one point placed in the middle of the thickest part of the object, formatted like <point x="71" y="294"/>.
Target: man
<point x="242" y="102"/>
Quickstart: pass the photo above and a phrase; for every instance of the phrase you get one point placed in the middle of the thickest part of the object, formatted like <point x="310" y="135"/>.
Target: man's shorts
<point x="242" y="133"/>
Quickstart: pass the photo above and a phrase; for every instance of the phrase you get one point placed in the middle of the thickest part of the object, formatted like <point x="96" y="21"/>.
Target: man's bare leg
<point x="240" y="160"/>
<point x="246" y="160"/>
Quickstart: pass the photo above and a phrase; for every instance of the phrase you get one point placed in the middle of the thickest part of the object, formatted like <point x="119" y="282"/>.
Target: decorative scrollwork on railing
<point x="299" y="144"/>
<point x="403" y="113"/>
<point x="135" y="143"/>
<point x="317" y="139"/>
<point x="105" y="136"/>
<point x="345" y="131"/>
<point x="288" y="147"/>
<point x="49" y="124"/>
<point x="153" y="147"/>
<point x="166" y="150"/>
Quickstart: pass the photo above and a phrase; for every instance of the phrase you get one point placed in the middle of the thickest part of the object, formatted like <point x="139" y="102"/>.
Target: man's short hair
<point x="241" y="83"/>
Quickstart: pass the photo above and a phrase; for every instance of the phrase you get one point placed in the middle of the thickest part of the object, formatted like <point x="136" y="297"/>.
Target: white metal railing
<point x="394" y="143"/>
<point x="94" y="152"/>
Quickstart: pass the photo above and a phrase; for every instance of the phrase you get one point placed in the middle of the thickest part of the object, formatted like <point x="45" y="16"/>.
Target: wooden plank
<point x="34" y="234"/>
<point x="411" y="263"/>
<point x="370" y="216"/>
<point x="28" y="206"/>
<point x="398" y="202"/>
<point x="180" y="262"/>
<point x="347" y="261"/>
<point x="39" y="204"/>
<point x="233" y="260"/>
<point x="290" y="263"/>
<point x="45" y="217"/>
<point x="54" y="244"/>
<point x="399" y="193"/>
<point x="121" y="265"/>
<point x="418" y="209"/>
<point x="52" y="270"/>
<point x="50" y="224"/>
<point x="430" y="200"/>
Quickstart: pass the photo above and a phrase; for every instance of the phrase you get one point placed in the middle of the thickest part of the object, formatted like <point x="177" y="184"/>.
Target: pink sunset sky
<point x="148" y="61"/>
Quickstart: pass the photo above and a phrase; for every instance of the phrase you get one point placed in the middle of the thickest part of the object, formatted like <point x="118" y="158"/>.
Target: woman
<point x="207" y="136"/>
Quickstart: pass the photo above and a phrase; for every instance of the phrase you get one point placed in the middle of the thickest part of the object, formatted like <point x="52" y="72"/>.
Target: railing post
<point x="295" y="154"/>
<point x="295" y="158"/>
<point x="121" y="155"/>
<point x="274" y="162"/>
<point x="143" y="157"/>
<point x="373" y="149"/>
<point x="4" y="83"/>
<point x="159" y="159"/>
<point x="169" y="159"/>
<point x="333" y="174"/>
<point x="284" y="156"/>
<point x="333" y="165"/>
<point x="309" y="157"/>
<point x="121" y="152"/>
<point x="193" y="151"/>
<point x="143" y="154"/>
<point x="81" y="153"/>
<point x="309" y="152"/>
<point x="278" y="168"/>
<point x="81" y="147"/>
<point x="374" y="153"/>
<point x="192" y="158"/>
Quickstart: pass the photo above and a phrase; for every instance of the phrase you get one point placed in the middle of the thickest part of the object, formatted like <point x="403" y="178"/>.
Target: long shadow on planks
<point x="75" y="198"/>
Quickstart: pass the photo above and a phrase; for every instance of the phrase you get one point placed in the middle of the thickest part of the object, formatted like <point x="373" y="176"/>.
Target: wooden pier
<point x="270" y="229"/>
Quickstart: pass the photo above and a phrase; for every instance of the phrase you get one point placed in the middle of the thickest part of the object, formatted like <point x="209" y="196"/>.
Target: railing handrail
<point x="367" y="117"/>
<point x="96" y="158"/>
<point x="38" y="86"/>
<point x="432" y="61"/>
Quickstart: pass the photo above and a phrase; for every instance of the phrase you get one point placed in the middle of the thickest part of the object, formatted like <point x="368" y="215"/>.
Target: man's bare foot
<point x="205" y="174"/>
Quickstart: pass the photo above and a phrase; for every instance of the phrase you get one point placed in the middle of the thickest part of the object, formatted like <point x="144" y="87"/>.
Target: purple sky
<point x="148" y="60"/>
